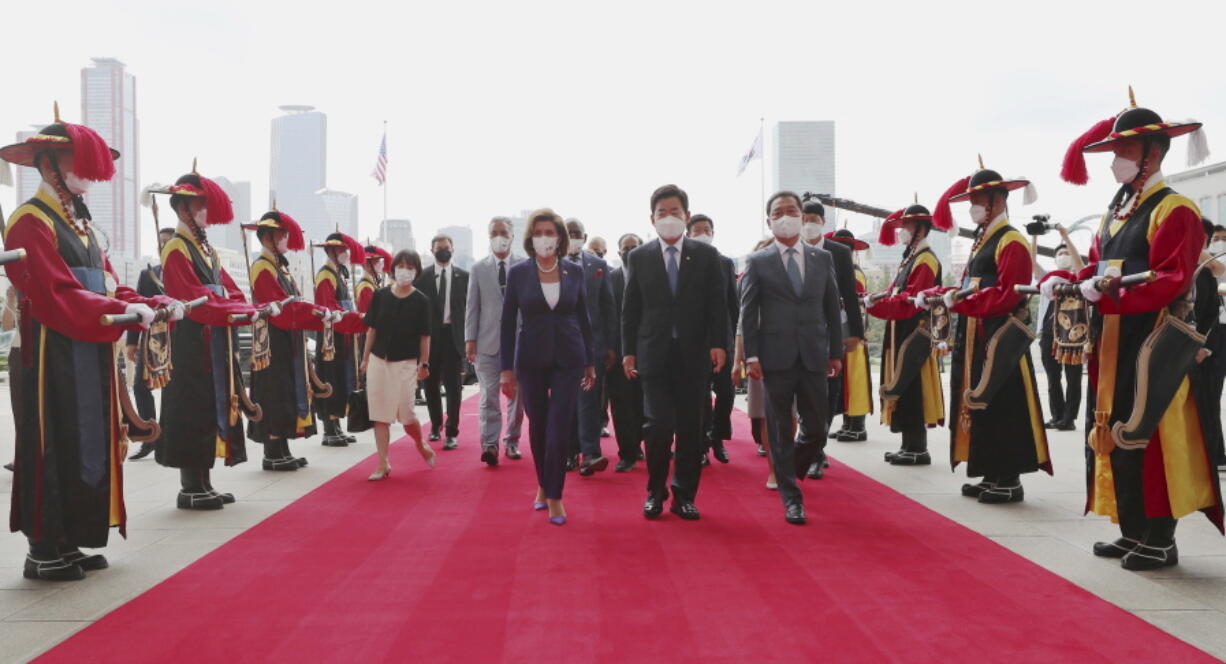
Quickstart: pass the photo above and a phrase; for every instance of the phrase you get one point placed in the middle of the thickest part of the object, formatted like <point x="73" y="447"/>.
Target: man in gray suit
<point x="793" y="341"/>
<point x="482" y="330"/>
<point x="604" y="322"/>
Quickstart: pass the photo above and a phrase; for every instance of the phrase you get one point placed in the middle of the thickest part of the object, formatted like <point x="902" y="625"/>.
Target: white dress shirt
<point x="443" y="275"/>
<point x="664" y="252"/>
<point x="800" y="256"/>
<point x="552" y="293"/>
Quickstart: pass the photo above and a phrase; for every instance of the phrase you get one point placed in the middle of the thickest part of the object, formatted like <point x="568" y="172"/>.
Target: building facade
<point x="804" y="157"/>
<point x="1206" y="186"/>
<point x="108" y="106"/>
<point x="397" y="234"/>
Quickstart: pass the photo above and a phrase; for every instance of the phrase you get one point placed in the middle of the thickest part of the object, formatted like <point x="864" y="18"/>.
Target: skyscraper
<point x="398" y="233"/>
<point x="341" y="209"/>
<point x="462" y="244"/>
<point x="299" y="167"/>
<point x="108" y="106"/>
<point x="804" y="157"/>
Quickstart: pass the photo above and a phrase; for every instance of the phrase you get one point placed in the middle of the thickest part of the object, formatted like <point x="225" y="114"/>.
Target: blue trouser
<point x="549" y="403"/>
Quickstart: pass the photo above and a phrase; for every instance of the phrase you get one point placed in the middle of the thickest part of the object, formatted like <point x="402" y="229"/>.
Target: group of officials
<point x="674" y="325"/>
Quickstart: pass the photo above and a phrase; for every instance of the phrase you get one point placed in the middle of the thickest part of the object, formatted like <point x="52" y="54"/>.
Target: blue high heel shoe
<point x="557" y="520"/>
<point x="539" y="506"/>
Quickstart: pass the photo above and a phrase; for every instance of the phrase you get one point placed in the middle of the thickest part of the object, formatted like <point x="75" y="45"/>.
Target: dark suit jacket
<point x="617" y="283"/>
<point x="781" y="328"/>
<point x="547" y="338"/>
<point x="458" y="294"/>
<point x="845" y="272"/>
<point x="148" y="284"/>
<point x="734" y="302"/>
<point x="600" y="309"/>
<point x="650" y="313"/>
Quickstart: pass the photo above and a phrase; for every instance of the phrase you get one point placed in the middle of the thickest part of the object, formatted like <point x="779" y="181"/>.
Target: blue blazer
<point x="558" y="338"/>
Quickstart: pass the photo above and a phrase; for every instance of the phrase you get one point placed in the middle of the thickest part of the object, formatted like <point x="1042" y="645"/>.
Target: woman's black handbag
<point x="358" y="419"/>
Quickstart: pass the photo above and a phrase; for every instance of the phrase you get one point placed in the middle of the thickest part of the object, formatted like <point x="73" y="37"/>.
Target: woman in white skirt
<point x="399" y="337"/>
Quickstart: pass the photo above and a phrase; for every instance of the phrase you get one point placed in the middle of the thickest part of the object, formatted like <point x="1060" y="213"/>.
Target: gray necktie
<point x="672" y="269"/>
<point x="794" y="272"/>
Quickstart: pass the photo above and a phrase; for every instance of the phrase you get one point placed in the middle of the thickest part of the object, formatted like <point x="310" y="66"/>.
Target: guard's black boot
<point x="275" y="453"/>
<point x="289" y="456"/>
<point x="90" y="562"/>
<point x="1006" y="490"/>
<point x="914" y="450"/>
<point x="226" y="498"/>
<point x="853" y="430"/>
<point x="44" y="563"/>
<point x="332" y="434"/>
<point x="1117" y="549"/>
<point x="1156" y="550"/>
<point x="193" y="495"/>
<point x="975" y="490"/>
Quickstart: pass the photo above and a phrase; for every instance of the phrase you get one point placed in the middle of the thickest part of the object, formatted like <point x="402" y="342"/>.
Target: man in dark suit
<point x="603" y="318"/>
<point x="625" y="395"/>
<point x="717" y="420"/>
<point x="812" y="231"/>
<point x="447" y="287"/>
<point x="793" y="342"/>
<point x="148" y="284"/>
<point x="674" y="328"/>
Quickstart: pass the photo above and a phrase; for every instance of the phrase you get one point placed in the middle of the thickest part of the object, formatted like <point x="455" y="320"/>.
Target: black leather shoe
<point x="592" y="466"/>
<point x="642" y="456"/>
<point x="572" y="463"/>
<point x="686" y="511"/>
<point x="489" y="456"/>
<point x="1066" y="426"/>
<point x="761" y="451"/>
<point x="513" y="452"/>
<point x="145" y="450"/>
<point x="816" y="472"/>
<point x="1117" y="549"/>
<point x="9" y="467"/>
<point x="226" y="498"/>
<point x="653" y="508"/>
<point x="974" y="490"/>
<point x="604" y="432"/>
<point x="281" y="465"/>
<point x="301" y="461"/>
<point x="905" y="458"/>
<point x="52" y="570"/>
<point x="624" y="466"/>
<point x="451" y="443"/>
<point x="350" y="439"/>
<point x="706" y="461"/>
<point x="720" y="452"/>
<point x="335" y="441"/>
<point x="1003" y="494"/>
<point x="199" y="500"/>
<point x="833" y="435"/>
<point x="434" y="437"/>
<point x="89" y="562"/>
<point x="796" y="514"/>
<point x="1145" y="557"/>
<point x="1050" y="424"/>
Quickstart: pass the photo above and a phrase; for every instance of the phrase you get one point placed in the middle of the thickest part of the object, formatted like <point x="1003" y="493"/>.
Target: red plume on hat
<point x="942" y="217"/>
<point x="220" y="211"/>
<point x="1074" y="169"/>
<point x="91" y="156"/>
<point x="357" y="255"/>
<point x="889" y="228"/>
<point x="296" y="240"/>
<point x="375" y="252"/>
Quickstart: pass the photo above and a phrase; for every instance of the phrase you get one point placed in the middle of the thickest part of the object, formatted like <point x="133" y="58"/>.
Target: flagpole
<point x="385" y="175"/>
<point x="762" y="170"/>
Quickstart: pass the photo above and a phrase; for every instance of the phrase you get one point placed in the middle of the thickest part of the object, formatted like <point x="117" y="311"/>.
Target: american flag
<point x="380" y="172"/>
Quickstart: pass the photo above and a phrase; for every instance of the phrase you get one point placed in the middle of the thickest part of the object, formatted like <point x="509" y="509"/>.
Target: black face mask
<point x="443" y="255"/>
<point x="625" y="254"/>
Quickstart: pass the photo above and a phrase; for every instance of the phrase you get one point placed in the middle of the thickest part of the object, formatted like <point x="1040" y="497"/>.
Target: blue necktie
<point x="672" y="270"/>
<point x="794" y="272"/>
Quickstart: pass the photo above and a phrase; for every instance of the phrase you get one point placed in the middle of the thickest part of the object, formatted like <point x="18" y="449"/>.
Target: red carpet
<point x="452" y="565"/>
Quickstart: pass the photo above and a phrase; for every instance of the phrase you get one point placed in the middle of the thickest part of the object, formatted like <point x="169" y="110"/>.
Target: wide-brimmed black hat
<point x="94" y="158"/>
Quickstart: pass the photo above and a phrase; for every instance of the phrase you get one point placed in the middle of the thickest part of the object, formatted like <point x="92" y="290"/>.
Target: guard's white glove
<point x="1089" y="292"/>
<point x="274" y="309"/>
<point x="1047" y="288"/>
<point x="146" y="314"/>
<point x="337" y="316"/>
<point x="920" y="302"/>
<point x="255" y="315"/>
<point x="948" y="298"/>
<point x="177" y="311"/>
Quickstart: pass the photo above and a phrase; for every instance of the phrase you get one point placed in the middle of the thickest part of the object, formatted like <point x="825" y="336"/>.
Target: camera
<point x="1040" y="225"/>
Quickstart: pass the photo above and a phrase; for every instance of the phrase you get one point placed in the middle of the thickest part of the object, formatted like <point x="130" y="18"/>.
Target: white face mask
<point x="201" y="215"/>
<point x="978" y="213"/>
<point x="670" y="228"/>
<point x="342" y="258"/>
<point x="1064" y="262"/>
<point x="1216" y="247"/>
<point x="704" y="238"/>
<point x="283" y="244"/>
<point x="500" y="244"/>
<point x="786" y="228"/>
<point x="376" y="266"/>
<point x="76" y="185"/>
<point x="904" y="236"/>
<point x="811" y="231"/>
<point x="544" y="245"/>
<point x="1124" y="170"/>
<point x="405" y="276"/>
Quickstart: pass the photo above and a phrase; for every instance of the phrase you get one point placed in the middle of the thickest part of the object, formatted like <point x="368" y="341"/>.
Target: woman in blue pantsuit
<point x="547" y="350"/>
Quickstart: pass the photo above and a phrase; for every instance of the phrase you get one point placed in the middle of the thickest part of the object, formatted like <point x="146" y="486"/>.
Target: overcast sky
<point x="497" y="107"/>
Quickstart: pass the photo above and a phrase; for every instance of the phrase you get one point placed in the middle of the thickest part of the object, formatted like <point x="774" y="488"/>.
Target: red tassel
<point x="220" y="211"/>
<point x="296" y="240"/>
<point x="942" y="217"/>
<point x="889" y="227"/>
<point x="1074" y="169"/>
<point x="357" y="255"/>
<point x="381" y="253"/>
<point x="91" y="156"/>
